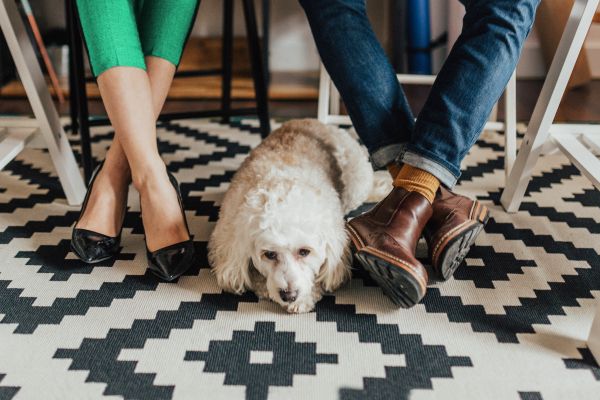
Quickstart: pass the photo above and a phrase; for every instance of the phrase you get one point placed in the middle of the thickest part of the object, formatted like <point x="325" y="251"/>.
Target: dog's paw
<point x="300" y="307"/>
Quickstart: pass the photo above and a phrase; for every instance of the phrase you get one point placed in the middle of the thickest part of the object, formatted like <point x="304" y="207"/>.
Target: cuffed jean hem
<point x="381" y="157"/>
<point x="439" y="171"/>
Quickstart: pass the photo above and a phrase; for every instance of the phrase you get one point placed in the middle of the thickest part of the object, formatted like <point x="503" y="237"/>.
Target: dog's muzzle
<point x="288" y="295"/>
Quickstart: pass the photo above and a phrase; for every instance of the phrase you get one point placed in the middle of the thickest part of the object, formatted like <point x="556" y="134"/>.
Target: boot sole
<point x="396" y="280"/>
<point x="399" y="285"/>
<point x="458" y="246"/>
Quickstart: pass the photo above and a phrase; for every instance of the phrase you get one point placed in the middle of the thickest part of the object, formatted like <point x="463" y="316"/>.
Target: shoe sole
<point x="400" y="284"/>
<point x="456" y="248"/>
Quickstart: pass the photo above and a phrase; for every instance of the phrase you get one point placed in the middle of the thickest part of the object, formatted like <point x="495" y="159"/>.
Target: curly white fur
<point x="288" y="198"/>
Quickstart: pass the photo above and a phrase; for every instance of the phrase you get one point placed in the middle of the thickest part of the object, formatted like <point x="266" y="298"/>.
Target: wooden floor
<point x="284" y="86"/>
<point x="205" y="54"/>
<point x="579" y="105"/>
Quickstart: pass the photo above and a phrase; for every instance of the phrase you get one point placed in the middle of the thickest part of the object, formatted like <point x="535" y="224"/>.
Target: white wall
<point x="532" y="64"/>
<point x="438" y="11"/>
<point x="291" y="46"/>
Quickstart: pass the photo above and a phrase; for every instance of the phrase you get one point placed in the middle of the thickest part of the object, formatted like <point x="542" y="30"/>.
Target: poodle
<point x="281" y="229"/>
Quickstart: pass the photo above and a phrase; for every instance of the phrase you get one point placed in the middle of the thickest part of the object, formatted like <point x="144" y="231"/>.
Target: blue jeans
<point x="461" y="99"/>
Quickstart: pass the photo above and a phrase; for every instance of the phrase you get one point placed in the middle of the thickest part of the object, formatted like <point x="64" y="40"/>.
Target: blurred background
<point x="416" y="34"/>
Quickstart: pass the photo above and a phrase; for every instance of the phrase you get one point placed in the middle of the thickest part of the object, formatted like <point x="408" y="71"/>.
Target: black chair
<point x="81" y="121"/>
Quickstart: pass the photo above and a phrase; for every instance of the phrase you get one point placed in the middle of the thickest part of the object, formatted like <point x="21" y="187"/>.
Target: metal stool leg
<point x="258" y="72"/>
<point x="72" y="93"/>
<point x="76" y="52"/>
<point x="226" y="60"/>
<point x="266" y="31"/>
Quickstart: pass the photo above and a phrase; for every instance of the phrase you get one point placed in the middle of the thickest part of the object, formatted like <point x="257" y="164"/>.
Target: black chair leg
<point x="266" y="31"/>
<point x="72" y="92"/>
<point x="258" y="71"/>
<point x="76" y="52"/>
<point x="226" y="60"/>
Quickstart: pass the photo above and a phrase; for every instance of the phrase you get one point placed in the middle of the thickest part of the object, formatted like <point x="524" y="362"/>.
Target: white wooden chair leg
<point x="13" y="143"/>
<point x="493" y="117"/>
<point x="39" y="97"/>
<point x="324" y="95"/>
<point x="594" y="338"/>
<point x="545" y="110"/>
<point x="510" y="124"/>
<point x="334" y="100"/>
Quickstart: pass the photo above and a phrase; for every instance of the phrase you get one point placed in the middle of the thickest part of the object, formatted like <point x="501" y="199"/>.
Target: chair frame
<point x="18" y="132"/>
<point x="579" y="142"/>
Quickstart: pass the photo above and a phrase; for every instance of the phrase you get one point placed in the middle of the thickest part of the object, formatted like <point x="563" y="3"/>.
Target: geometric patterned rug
<point x="511" y="324"/>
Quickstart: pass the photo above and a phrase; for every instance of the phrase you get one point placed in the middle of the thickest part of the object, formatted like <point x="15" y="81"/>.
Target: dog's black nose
<point x="288" y="295"/>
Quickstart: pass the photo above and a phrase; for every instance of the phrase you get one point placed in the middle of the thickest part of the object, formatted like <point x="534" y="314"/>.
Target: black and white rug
<point x="512" y="323"/>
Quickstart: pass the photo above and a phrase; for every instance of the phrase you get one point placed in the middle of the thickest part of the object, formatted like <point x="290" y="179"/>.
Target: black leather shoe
<point x="170" y="262"/>
<point x="93" y="247"/>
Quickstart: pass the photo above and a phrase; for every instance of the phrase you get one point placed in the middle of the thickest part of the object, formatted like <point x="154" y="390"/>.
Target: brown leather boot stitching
<point x="386" y="238"/>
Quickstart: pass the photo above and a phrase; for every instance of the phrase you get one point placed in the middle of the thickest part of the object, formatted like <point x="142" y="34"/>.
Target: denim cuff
<point x="381" y="157"/>
<point x="434" y="168"/>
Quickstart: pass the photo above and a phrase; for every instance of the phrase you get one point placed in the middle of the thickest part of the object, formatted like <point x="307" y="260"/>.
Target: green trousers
<point x="123" y="32"/>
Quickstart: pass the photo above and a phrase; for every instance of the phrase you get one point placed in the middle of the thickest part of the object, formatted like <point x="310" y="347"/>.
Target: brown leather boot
<point x="386" y="239"/>
<point x="452" y="229"/>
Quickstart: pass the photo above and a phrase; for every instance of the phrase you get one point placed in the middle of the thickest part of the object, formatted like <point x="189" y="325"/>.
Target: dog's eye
<point x="303" y="252"/>
<point x="270" y="255"/>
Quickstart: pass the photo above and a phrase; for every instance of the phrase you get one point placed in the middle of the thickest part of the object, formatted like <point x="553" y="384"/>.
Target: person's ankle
<point x="147" y="176"/>
<point x="117" y="169"/>
<point x="417" y="180"/>
<point x="394" y="168"/>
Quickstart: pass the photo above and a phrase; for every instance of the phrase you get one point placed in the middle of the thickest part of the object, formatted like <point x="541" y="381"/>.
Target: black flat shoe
<point x="170" y="262"/>
<point x="93" y="247"/>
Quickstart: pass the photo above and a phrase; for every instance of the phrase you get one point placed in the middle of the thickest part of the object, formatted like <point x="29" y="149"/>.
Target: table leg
<point x="41" y="102"/>
<point x="258" y="71"/>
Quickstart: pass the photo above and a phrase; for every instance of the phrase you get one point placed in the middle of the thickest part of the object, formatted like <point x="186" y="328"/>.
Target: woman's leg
<point x="133" y="91"/>
<point x="160" y="74"/>
<point x="111" y="38"/>
<point x="127" y="95"/>
<point x="104" y="211"/>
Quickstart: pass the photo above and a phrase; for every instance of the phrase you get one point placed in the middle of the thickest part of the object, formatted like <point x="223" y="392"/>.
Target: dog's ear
<point x="229" y="254"/>
<point x="231" y="244"/>
<point x="336" y="267"/>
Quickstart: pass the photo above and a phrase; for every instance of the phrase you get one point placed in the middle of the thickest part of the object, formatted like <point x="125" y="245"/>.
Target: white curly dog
<point x="281" y="230"/>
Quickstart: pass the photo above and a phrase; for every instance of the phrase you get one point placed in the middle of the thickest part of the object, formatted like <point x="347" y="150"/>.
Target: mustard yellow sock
<point x="417" y="180"/>
<point x="393" y="168"/>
